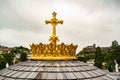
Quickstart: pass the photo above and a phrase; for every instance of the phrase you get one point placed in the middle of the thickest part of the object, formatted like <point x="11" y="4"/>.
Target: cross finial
<point x="54" y="21"/>
<point x="54" y="14"/>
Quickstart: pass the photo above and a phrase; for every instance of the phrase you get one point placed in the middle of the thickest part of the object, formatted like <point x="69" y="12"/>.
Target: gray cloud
<point x="85" y="22"/>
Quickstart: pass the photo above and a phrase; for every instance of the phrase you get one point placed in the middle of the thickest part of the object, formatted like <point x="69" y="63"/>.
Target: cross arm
<point x="48" y="21"/>
<point x="60" y="21"/>
<point x="57" y="21"/>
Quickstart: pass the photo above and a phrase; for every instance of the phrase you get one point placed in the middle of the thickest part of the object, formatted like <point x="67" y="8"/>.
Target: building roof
<point x="52" y="70"/>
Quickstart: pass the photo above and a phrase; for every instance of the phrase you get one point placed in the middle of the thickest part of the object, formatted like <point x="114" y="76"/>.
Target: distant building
<point x="4" y="49"/>
<point x="93" y="48"/>
<point x="105" y="48"/>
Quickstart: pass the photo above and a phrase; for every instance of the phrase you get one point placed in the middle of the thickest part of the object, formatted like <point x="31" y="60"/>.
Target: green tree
<point x="116" y="53"/>
<point x="2" y="62"/>
<point x="8" y="57"/>
<point x="109" y="60"/>
<point x="19" y="50"/>
<point x="83" y="55"/>
<point x="114" y="44"/>
<point x="112" y="54"/>
<point x="23" y="56"/>
<point x="99" y="58"/>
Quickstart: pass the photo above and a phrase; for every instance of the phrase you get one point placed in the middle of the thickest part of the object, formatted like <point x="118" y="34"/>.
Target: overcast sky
<point x="86" y="22"/>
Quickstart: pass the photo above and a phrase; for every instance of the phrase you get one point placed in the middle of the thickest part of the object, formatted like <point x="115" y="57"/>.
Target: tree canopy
<point x="98" y="57"/>
<point x="2" y="62"/>
<point x="114" y="44"/>
<point x="23" y="56"/>
<point x="18" y="50"/>
<point x="8" y="57"/>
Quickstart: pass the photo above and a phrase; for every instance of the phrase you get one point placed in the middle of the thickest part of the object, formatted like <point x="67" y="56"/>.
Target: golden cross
<point x="54" y="21"/>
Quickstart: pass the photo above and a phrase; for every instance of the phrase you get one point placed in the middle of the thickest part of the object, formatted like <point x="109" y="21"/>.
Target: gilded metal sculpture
<point x="53" y="51"/>
<point x="54" y="21"/>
